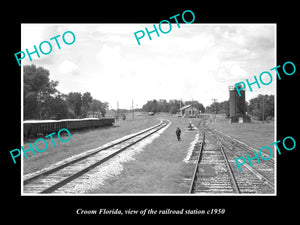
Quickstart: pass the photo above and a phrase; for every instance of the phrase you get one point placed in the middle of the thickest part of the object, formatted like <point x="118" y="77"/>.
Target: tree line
<point x="260" y="107"/>
<point x="43" y="101"/>
<point x="171" y="106"/>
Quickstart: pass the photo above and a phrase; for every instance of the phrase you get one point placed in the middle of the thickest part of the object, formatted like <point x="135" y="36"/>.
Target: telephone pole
<point x="132" y="110"/>
<point x="117" y="110"/>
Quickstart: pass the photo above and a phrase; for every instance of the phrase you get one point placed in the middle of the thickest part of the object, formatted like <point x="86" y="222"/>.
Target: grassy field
<point x="82" y="141"/>
<point x="256" y="134"/>
<point x="159" y="169"/>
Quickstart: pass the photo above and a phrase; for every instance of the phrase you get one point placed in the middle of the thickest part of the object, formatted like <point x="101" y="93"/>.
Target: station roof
<point x="185" y="107"/>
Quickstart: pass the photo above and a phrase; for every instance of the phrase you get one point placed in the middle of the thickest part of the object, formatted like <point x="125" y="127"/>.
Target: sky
<point x="193" y="62"/>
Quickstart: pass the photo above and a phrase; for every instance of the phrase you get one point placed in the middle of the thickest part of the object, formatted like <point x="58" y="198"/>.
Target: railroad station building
<point x="189" y="111"/>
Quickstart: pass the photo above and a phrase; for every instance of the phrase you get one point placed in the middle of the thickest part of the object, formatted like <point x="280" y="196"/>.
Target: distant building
<point x="189" y="111"/>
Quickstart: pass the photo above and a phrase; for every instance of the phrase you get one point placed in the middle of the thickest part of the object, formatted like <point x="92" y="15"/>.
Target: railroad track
<point x="244" y="146"/>
<point x="216" y="172"/>
<point x="52" y="179"/>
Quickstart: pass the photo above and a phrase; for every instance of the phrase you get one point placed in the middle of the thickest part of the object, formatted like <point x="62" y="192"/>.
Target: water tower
<point x="237" y="106"/>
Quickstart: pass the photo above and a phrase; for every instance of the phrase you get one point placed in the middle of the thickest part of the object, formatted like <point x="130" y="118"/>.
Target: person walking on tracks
<point x="178" y="133"/>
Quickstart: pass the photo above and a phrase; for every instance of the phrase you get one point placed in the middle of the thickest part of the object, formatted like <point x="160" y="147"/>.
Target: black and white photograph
<point x="149" y="111"/>
<point x="158" y="117"/>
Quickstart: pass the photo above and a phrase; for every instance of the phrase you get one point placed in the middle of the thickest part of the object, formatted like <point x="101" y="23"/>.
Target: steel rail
<point x="245" y="146"/>
<point x="252" y="170"/>
<point x="53" y="170"/>
<point x="259" y="175"/>
<point x="229" y="169"/>
<point x="234" y="182"/>
<point x="194" y="177"/>
<point x="85" y="170"/>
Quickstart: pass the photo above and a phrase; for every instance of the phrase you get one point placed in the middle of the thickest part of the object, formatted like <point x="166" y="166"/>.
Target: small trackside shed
<point x="189" y="111"/>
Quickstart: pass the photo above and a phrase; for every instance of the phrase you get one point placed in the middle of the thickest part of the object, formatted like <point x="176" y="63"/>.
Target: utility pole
<point x="132" y="110"/>
<point x="117" y="110"/>
<point x="180" y="107"/>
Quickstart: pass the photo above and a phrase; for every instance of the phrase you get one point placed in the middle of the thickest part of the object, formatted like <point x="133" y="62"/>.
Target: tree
<point x="38" y="91"/>
<point x="150" y="106"/>
<point x="30" y="106"/>
<point x="224" y="108"/>
<point x="104" y="108"/>
<point x="58" y="108"/>
<point x="162" y="106"/>
<point x="262" y="107"/>
<point x="43" y="101"/>
<point x="174" y="106"/>
<point x="74" y="103"/>
<point x="86" y="101"/>
<point x="196" y="104"/>
<point x="95" y="106"/>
